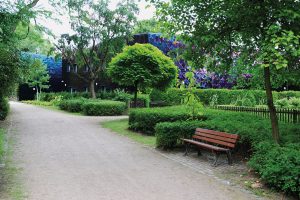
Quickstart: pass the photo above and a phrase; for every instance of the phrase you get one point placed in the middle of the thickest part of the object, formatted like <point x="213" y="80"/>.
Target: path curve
<point x="68" y="157"/>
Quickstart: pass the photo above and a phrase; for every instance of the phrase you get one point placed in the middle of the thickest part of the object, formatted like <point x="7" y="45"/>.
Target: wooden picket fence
<point x="283" y="114"/>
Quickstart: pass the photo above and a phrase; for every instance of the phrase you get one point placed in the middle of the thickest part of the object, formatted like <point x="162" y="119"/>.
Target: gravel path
<point x="68" y="157"/>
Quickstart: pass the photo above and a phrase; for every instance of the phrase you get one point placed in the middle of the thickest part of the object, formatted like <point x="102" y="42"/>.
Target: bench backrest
<point x="216" y="137"/>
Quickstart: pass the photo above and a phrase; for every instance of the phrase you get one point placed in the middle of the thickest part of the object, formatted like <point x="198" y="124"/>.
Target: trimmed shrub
<point x="4" y="108"/>
<point x="103" y="108"/>
<point x="116" y="95"/>
<point x="72" y="105"/>
<point x="145" y="119"/>
<point x="220" y="96"/>
<point x="278" y="166"/>
<point x="168" y="134"/>
<point x="251" y="129"/>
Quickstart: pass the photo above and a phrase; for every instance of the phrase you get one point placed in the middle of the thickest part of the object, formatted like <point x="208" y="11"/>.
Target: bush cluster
<point x="293" y="103"/>
<point x="103" y="108"/>
<point x="72" y="105"/>
<point x="145" y="119"/>
<point x="93" y="107"/>
<point x="4" y="108"/>
<point x="168" y="134"/>
<point x="116" y="95"/>
<point x="221" y="96"/>
<point x="278" y="166"/>
<point x="251" y="129"/>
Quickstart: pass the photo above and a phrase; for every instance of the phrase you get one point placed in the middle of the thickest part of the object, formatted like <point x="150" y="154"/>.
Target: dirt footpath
<point x="68" y="157"/>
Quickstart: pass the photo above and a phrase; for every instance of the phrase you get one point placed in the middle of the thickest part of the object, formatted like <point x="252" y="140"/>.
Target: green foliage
<point x="142" y="66"/>
<point x="116" y="95"/>
<point x="173" y="96"/>
<point x="168" y="134"/>
<point x="278" y="165"/>
<point x="145" y="119"/>
<point x="4" y="108"/>
<point x="147" y="26"/>
<point x="32" y="39"/>
<point x="97" y="37"/>
<point x="190" y="99"/>
<point x="72" y="105"/>
<point x="293" y="103"/>
<point x="103" y="108"/>
<point x="38" y="76"/>
<point x="9" y="63"/>
<point x="251" y="129"/>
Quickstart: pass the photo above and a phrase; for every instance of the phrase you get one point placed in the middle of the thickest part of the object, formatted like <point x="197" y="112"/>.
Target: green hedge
<point x="72" y="105"/>
<point x="173" y="96"/>
<point x="251" y="129"/>
<point x="4" y="108"/>
<point x="115" y="95"/>
<point x="168" y="134"/>
<point x="145" y="119"/>
<point x="103" y="108"/>
<point x="278" y="166"/>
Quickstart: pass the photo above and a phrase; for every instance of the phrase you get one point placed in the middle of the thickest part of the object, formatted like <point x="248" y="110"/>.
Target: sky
<point x="63" y="26"/>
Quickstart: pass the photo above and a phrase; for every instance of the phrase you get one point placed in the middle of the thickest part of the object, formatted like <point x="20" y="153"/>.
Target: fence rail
<point x="283" y="114"/>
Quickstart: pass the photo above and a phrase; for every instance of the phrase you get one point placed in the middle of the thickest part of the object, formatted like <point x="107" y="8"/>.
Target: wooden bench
<point x="217" y="142"/>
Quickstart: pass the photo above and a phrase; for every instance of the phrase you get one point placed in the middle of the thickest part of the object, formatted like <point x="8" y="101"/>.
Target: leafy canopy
<point x="142" y="66"/>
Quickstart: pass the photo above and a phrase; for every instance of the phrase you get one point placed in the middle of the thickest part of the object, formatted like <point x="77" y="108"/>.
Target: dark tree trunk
<point x="273" y="116"/>
<point x="92" y="89"/>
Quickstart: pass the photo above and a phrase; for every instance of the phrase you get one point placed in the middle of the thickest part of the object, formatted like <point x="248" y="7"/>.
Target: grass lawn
<point x="121" y="127"/>
<point x="2" y="144"/>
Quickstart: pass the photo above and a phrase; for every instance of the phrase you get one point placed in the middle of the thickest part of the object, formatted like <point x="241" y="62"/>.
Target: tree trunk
<point x="273" y="116"/>
<point x="135" y="94"/>
<point x="92" y="89"/>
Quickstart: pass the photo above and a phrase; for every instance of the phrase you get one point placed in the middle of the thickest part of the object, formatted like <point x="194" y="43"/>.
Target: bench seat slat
<point x="227" y="144"/>
<point x="225" y="139"/>
<point x="208" y="146"/>
<point x="223" y="134"/>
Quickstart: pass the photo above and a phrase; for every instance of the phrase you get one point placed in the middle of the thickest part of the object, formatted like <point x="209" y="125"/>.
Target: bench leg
<point x="217" y="155"/>
<point x="199" y="153"/>
<point x="229" y="157"/>
<point x="187" y="149"/>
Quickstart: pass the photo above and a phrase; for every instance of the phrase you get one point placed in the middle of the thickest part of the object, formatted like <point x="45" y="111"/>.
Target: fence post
<point x="294" y="116"/>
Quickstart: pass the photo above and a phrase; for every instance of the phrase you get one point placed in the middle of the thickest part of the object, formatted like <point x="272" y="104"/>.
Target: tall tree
<point x="100" y="33"/>
<point x="147" y="26"/>
<point x="142" y="66"/>
<point x="38" y="77"/>
<point x="221" y="33"/>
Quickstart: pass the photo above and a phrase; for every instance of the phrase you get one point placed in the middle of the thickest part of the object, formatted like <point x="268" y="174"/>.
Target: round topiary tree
<point x="142" y="66"/>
